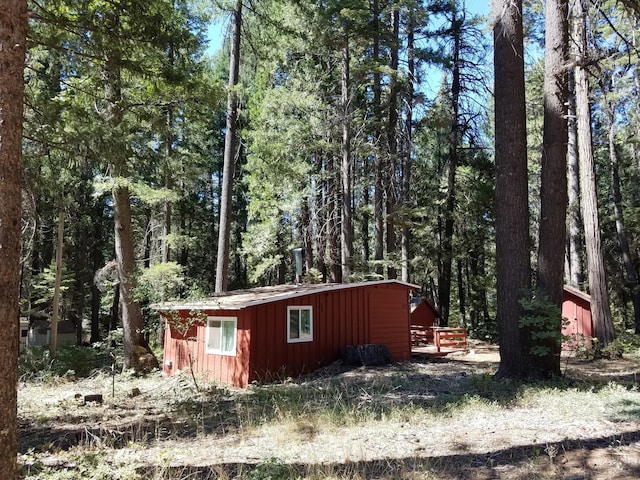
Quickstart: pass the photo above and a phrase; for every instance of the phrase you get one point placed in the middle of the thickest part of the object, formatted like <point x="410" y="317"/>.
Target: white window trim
<point x="218" y="351"/>
<point x="299" y="308"/>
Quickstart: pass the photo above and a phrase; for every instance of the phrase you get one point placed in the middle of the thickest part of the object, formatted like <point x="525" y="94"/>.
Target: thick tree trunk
<point x="574" y="274"/>
<point x="512" y="209"/>
<point x="230" y="152"/>
<point x="600" y="309"/>
<point x="346" y="249"/>
<point x="135" y="343"/>
<point x="13" y="30"/>
<point x="553" y="188"/>
<point x="444" y="282"/>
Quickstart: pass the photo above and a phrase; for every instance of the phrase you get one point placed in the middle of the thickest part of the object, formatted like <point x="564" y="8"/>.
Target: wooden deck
<point x="438" y="340"/>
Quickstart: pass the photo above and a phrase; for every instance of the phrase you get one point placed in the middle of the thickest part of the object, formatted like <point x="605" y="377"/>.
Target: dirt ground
<point x="150" y="422"/>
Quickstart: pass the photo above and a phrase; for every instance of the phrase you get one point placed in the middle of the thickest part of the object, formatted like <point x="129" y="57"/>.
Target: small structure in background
<point x="576" y="309"/>
<point x="283" y="331"/>
<point x="426" y="332"/>
<point x="423" y="313"/>
<point x="23" y="332"/>
<point x="39" y="333"/>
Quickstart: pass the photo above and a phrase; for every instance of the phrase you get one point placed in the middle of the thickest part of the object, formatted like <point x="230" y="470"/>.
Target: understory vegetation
<point x="427" y="419"/>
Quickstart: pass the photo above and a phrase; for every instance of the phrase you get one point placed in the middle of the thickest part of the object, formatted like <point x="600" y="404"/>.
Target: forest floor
<point x="432" y="418"/>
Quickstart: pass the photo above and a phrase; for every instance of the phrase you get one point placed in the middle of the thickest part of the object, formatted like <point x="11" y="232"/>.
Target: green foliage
<point x="543" y="321"/>
<point x="183" y="323"/>
<point x="44" y="283"/>
<point x="625" y="343"/>
<point x="70" y="360"/>
<point x="160" y="282"/>
<point x="272" y="469"/>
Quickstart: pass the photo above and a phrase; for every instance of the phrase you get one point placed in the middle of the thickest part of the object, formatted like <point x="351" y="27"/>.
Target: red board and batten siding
<point x="389" y="322"/>
<point x="374" y="312"/>
<point x="339" y="319"/>
<point x="225" y="368"/>
<point x="576" y="308"/>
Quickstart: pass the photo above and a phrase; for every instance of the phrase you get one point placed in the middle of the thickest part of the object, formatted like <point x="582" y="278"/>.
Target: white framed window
<point x="299" y="324"/>
<point x="221" y="335"/>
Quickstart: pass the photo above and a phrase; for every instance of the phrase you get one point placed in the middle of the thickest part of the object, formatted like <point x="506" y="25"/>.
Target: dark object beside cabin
<point x="369" y="354"/>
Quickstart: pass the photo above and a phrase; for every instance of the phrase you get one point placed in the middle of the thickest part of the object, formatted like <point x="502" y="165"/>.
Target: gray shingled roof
<point x="239" y="299"/>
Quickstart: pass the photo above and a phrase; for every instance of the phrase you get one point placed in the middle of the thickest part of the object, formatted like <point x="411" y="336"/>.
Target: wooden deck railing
<point x="439" y="336"/>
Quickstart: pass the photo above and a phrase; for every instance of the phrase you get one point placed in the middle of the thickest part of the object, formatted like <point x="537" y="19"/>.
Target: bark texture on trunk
<point x="512" y="209"/>
<point x="392" y="142"/>
<point x="623" y="242"/>
<point x="600" y="309"/>
<point x="55" y="314"/>
<point x="553" y="187"/>
<point x="405" y="240"/>
<point x="13" y="30"/>
<point x="347" y="218"/>
<point x="574" y="275"/>
<point x="136" y="350"/>
<point x="135" y="343"/>
<point x="379" y="163"/>
<point x="230" y="152"/>
<point x="444" y="282"/>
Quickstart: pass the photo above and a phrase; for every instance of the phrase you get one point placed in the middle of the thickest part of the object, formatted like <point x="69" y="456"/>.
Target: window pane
<point x="228" y="336"/>
<point x="294" y="323"/>
<point x="305" y="323"/>
<point x="213" y="342"/>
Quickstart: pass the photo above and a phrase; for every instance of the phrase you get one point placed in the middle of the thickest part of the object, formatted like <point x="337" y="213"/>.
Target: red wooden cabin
<point x="281" y="331"/>
<point x="576" y="308"/>
<point x="423" y="313"/>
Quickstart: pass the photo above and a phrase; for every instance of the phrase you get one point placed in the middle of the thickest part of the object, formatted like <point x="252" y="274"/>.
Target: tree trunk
<point x="600" y="309"/>
<point x="462" y="294"/>
<point x="95" y="314"/>
<point x="168" y="184"/>
<point x="513" y="269"/>
<point x="230" y="152"/>
<point x="307" y="235"/>
<point x="636" y="81"/>
<point x="379" y="165"/>
<point x="623" y="242"/>
<point x="55" y="308"/>
<point x="553" y="187"/>
<point x="574" y="275"/>
<point x="405" y="233"/>
<point x="365" y="217"/>
<point x="135" y="344"/>
<point x="392" y="140"/>
<point x="333" y="222"/>
<point x="347" y="219"/>
<point x="444" y="282"/>
<point x="13" y="30"/>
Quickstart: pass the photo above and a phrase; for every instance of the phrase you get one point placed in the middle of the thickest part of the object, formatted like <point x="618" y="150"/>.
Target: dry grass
<point x="417" y="421"/>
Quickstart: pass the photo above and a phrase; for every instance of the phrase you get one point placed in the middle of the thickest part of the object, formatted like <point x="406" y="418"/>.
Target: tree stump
<point x="369" y="354"/>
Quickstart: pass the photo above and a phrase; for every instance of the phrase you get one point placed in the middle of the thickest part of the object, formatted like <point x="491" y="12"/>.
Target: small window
<point x="221" y="335"/>
<point x="300" y="324"/>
